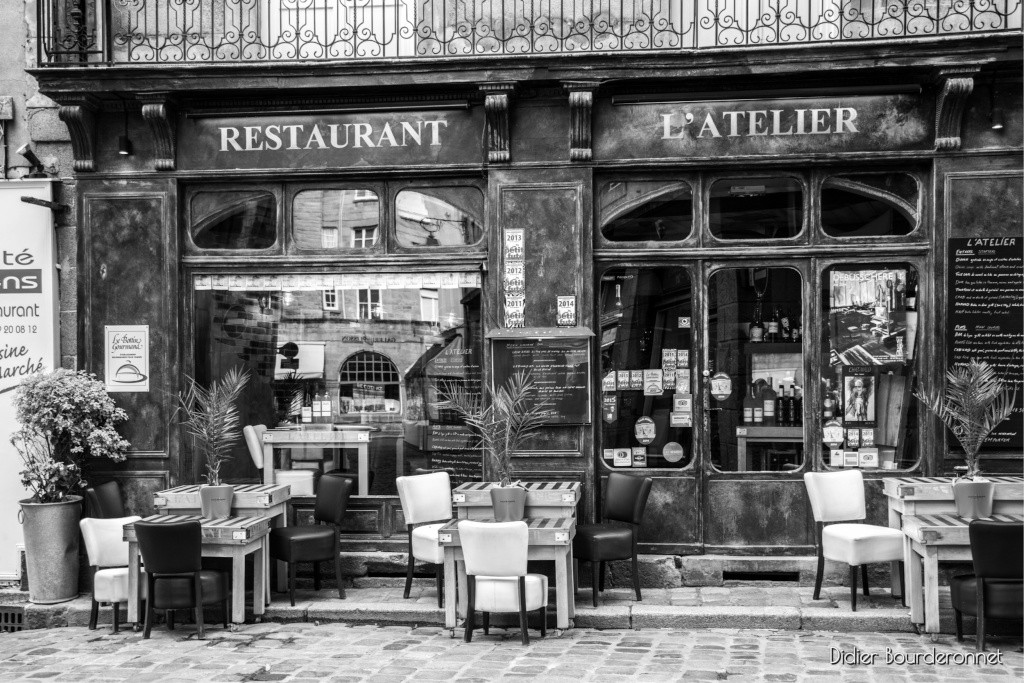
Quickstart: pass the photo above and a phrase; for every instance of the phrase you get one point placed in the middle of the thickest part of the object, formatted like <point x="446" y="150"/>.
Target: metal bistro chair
<point x="175" y="578"/>
<point x="996" y="588"/>
<point x="839" y="497"/>
<point x="496" y="554"/>
<point x="427" y="506"/>
<point x="108" y="557"/>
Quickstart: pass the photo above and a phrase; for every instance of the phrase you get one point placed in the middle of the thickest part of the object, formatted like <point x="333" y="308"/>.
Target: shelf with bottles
<point x="768" y="408"/>
<point x="774" y="327"/>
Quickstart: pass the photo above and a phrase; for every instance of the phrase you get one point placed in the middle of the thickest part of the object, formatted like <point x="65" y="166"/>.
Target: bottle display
<point x="749" y="403"/>
<point x="785" y="327"/>
<point x="771" y="333"/>
<point x="758" y="402"/>
<point x="756" y="325"/>
<point x="769" y="398"/>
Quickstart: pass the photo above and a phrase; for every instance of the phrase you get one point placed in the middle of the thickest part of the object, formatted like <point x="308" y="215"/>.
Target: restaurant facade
<point x="725" y="264"/>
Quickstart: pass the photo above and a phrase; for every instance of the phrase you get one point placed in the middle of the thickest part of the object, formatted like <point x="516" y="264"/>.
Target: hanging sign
<point x="721" y="386"/>
<point x="126" y="358"/>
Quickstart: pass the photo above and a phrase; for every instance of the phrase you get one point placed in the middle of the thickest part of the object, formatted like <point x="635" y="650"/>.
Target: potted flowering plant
<point x="975" y="402"/>
<point x="210" y="416"/>
<point x="65" y="417"/>
<point x="511" y="415"/>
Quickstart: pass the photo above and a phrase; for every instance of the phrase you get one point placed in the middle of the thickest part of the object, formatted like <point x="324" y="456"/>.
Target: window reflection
<point x="439" y="217"/>
<point x="236" y="219"/>
<point x="756" y="208"/>
<point x="646" y="211"/>
<point x="336" y="219"/>
<point x="869" y="205"/>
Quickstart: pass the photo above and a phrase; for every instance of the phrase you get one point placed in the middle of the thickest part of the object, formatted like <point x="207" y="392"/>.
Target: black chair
<point x="318" y="543"/>
<point x="615" y="539"/>
<point x="104" y="501"/>
<point x="175" y="578"/>
<point x="996" y="588"/>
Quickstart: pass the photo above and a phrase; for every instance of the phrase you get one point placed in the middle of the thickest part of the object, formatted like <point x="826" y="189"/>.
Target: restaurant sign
<point x="332" y="139"/>
<point x="753" y="127"/>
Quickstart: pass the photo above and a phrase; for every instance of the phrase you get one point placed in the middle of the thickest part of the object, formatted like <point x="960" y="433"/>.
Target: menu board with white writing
<point x="457" y="449"/>
<point x="985" y="317"/>
<point x="560" y="369"/>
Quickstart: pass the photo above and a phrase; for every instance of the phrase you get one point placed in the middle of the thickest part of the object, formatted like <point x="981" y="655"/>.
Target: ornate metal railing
<point x="83" y="32"/>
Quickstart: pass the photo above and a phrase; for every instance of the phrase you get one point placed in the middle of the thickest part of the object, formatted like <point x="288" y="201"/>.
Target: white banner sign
<point x="126" y="358"/>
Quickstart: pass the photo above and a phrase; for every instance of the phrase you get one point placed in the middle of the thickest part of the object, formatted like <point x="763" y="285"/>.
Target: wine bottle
<point x="796" y="331"/>
<point x="828" y="402"/>
<point x="781" y="413"/>
<point x="307" y="407"/>
<point x="769" y="397"/>
<point x="798" y="406"/>
<point x="772" y="331"/>
<point x="749" y="403"/>
<point x="785" y="327"/>
<point x="756" y="326"/>
<point x="758" y="404"/>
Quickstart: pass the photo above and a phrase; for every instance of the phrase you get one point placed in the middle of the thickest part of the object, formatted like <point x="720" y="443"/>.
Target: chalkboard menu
<point x="560" y="369"/>
<point x="985" y="317"/>
<point x="455" y="448"/>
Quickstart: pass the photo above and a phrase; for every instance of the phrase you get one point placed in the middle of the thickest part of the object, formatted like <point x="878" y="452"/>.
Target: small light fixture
<point x="36" y="168"/>
<point x="995" y="114"/>
<point x="997" y="119"/>
<point x="124" y="143"/>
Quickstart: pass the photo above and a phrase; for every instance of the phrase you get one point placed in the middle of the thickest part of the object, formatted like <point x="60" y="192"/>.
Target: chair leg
<point x="200" y="626"/>
<point x="227" y="611"/>
<point x="316" y="576"/>
<point x="601" y="584"/>
<point x="439" y="580"/>
<point x="170" y="619"/>
<point x="522" y="610"/>
<point x="594" y="579"/>
<point x="853" y="588"/>
<point x="818" y="576"/>
<point x="636" y="577"/>
<point x="979" y="623"/>
<point x="903" y="586"/>
<point x="959" y="625"/>
<point x="291" y="582"/>
<point x="471" y="590"/>
<point x="337" y="570"/>
<point x="487" y="622"/>
<point x="94" y="614"/>
<point x="412" y="563"/>
<point x="117" y="616"/>
<point x="864" y="578"/>
<point x="544" y="620"/>
<point x="149" y="606"/>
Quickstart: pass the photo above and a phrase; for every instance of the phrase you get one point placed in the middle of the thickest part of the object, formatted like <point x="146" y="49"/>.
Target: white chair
<point x="427" y="506"/>
<point x="839" y="497"/>
<point x="495" y="554"/>
<point x="108" y="556"/>
<point x="302" y="482"/>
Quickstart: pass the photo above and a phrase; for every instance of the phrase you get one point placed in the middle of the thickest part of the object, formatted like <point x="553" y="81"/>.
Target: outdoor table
<point x="550" y="538"/>
<point x="928" y="540"/>
<point x="543" y="499"/>
<point x="250" y="500"/>
<point x="341" y="436"/>
<point x="233" y="537"/>
<point x="934" y="495"/>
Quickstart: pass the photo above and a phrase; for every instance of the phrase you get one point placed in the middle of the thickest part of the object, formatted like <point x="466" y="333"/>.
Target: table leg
<point x="913" y="566"/>
<point x="931" y="590"/>
<point x="741" y="454"/>
<point x="237" y="585"/>
<point x="133" y="582"/>
<point x="895" y="522"/>
<point x="573" y="567"/>
<point x="259" y="585"/>
<point x="562" y="590"/>
<point x="279" y="521"/>
<point x="463" y="588"/>
<point x="449" y="588"/>
<point x="264" y="569"/>
<point x="364" y="470"/>
<point x="268" y="463"/>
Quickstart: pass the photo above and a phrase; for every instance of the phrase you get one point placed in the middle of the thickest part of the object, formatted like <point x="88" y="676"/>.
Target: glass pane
<point x="641" y="210"/>
<point x="647" y="387"/>
<point x="867" y="408"/>
<point x="336" y="219"/>
<point x="869" y="205"/>
<point x="381" y="369"/>
<point x="234" y="219"/>
<point x="757" y="365"/>
<point x="439" y="216"/>
<point x="756" y="208"/>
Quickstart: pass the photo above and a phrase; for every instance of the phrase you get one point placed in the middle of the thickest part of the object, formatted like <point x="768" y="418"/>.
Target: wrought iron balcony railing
<point x="86" y="32"/>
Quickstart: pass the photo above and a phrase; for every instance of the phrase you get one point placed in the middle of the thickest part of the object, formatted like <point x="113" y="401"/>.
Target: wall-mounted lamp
<point x="124" y="143"/>
<point x="36" y="168"/>
<point x="995" y="114"/>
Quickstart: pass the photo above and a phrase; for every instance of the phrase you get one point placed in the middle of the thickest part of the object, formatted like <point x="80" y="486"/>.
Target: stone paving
<point x="300" y="652"/>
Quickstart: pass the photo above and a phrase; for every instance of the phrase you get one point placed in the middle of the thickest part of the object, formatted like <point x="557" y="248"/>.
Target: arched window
<point x="369" y="383"/>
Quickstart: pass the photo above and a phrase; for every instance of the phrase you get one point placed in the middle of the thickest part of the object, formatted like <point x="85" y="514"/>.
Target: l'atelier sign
<point x="332" y="140"/>
<point x="752" y="127"/>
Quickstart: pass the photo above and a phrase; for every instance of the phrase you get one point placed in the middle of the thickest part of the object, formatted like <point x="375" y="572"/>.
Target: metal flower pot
<point x="973" y="498"/>
<point x="215" y="501"/>
<point x="508" y="503"/>
<point x="51" y="549"/>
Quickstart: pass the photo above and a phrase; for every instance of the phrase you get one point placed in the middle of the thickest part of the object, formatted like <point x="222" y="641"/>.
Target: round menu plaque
<point x="645" y="430"/>
<point x="672" y="452"/>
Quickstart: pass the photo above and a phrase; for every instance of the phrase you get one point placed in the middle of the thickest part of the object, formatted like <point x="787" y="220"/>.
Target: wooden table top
<point x="246" y="496"/>
<point x="542" y="530"/>
<point x="222" y="531"/>
<point x="942" y="529"/>
<point x="941" y="488"/>
<point x="538" y="493"/>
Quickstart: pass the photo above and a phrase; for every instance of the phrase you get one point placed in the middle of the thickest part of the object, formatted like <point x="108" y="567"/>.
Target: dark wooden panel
<point x="358" y="521"/>
<point x="672" y="516"/>
<point x="539" y="131"/>
<point x="973" y="211"/>
<point x="751" y="512"/>
<point x="137" y="488"/>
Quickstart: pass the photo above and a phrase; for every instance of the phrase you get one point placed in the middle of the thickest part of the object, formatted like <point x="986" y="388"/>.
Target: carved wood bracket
<point x="497" y="97"/>
<point x="158" y="111"/>
<point x="79" y="115"/>
<point x="581" y="104"/>
<point x="956" y="86"/>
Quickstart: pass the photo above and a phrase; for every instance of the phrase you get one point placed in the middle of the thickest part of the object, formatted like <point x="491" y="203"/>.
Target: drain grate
<point x="761" y="576"/>
<point x="12" y="619"/>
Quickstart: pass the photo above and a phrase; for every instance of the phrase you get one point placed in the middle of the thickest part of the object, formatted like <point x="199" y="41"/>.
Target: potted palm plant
<point x="210" y="417"/>
<point x="975" y="402"/>
<point x="65" y="418"/>
<point x="512" y="413"/>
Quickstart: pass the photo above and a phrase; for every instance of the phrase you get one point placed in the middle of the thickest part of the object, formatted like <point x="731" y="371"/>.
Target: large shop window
<point x="869" y="205"/>
<point x="756" y="208"/>
<point x="647" y="383"/>
<point x="646" y="210"/>
<point x="336" y="219"/>
<point x="439" y="217"/>
<point x="867" y="412"/>
<point x="236" y="219"/>
<point x="366" y="342"/>
<point x="756" y="360"/>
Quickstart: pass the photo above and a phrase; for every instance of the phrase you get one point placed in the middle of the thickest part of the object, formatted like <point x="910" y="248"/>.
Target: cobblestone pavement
<point x="338" y="652"/>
